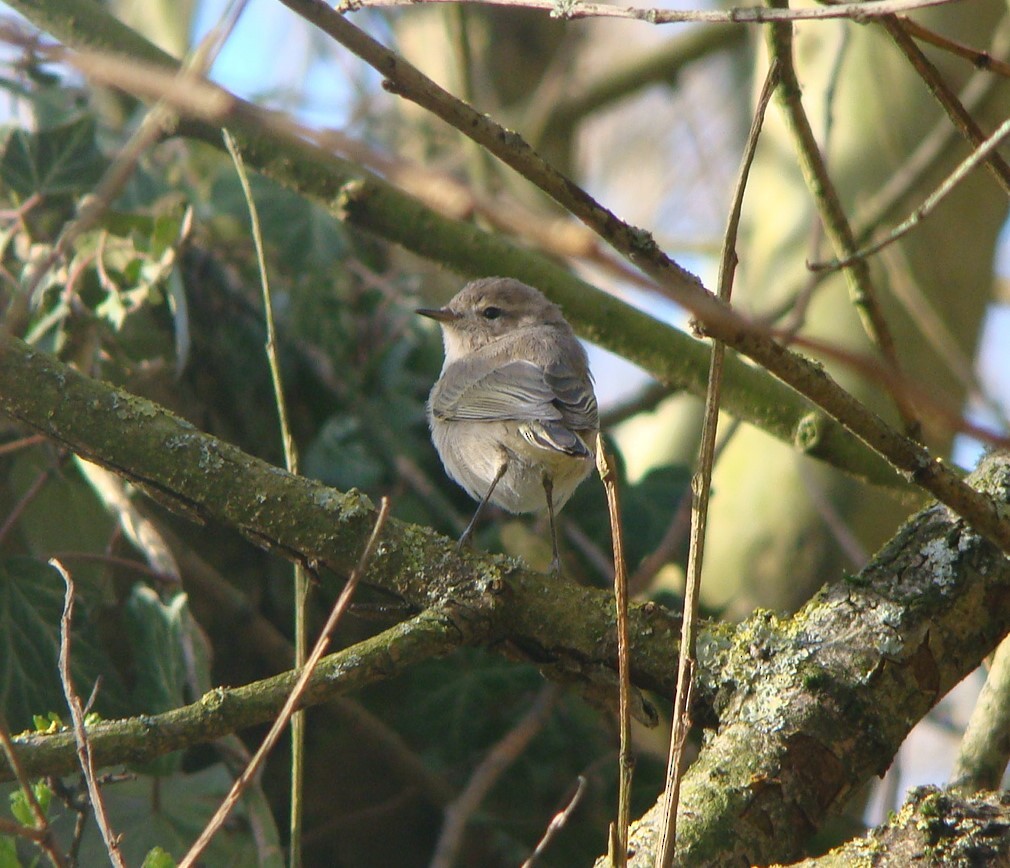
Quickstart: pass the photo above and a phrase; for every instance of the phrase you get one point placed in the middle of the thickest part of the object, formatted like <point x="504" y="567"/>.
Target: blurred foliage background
<point x="163" y="297"/>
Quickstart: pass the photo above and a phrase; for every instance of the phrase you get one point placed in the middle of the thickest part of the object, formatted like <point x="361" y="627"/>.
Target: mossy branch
<point x="365" y="201"/>
<point x="223" y="711"/>
<point x="810" y="708"/>
<point x="816" y="705"/>
<point x="550" y="620"/>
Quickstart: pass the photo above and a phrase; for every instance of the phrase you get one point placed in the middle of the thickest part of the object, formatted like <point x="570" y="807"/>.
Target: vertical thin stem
<point x="626" y="762"/>
<point x="291" y="462"/>
<point x="701" y="485"/>
<point x="862" y="290"/>
<point x="110" y="838"/>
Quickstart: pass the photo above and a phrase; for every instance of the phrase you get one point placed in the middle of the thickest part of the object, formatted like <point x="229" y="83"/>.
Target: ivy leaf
<point x="31" y="605"/>
<point x="157" y="820"/>
<point x="169" y="651"/>
<point x="60" y="161"/>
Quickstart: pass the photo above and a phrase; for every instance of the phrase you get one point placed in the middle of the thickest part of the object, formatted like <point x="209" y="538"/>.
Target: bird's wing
<point x="550" y="404"/>
<point x="573" y="396"/>
<point x="514" y="391"/>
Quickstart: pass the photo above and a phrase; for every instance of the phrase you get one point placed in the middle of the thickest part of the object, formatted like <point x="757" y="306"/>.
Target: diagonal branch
<point x="222" y="711"/>
<point x="366" y="202"/>
<point x="862" y="290"/>
<point x="817" y="705"/>
<point x="549" y="620"/>
<point x="959" y="116"/>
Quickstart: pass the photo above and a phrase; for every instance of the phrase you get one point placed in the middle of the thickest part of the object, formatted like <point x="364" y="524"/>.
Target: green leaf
<point x="156" y="634"/>
<point x="159" y="634"/>
<point x="169" y="813"/>
<point x="64" y="516"/>
<point x="305" y="232"/>
<point x="22" y="810"/>
<point x="62" y="160"/>
<point x="8" y="853"/>
<point x="158" y="858"/>
<point x="31" y="605"/>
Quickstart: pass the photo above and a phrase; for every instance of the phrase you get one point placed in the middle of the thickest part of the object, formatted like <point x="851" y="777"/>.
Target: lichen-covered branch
<point x="227" y="710"/>
<point x="814" y="706"/>
<point x="550" y="620"/>
<point x="933" y="827"/>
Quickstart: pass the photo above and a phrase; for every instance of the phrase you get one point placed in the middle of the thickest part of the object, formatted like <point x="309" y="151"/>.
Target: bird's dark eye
<point x="491" y="312"/>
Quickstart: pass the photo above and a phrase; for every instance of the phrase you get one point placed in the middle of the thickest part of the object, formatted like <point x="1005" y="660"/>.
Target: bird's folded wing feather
<point x="520" y="391"/>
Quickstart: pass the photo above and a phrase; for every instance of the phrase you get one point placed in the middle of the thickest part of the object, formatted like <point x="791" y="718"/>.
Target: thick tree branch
<point x="932" y="828"/>
<point x="550" y="620"/>
<point x="367" y="202"/>
<point x="227" y="710"/>
<point x="818" y="704"/>
<point x="810" y="707"/>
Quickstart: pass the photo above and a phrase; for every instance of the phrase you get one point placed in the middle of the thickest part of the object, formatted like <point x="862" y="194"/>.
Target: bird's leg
<point x="555" y="569"/>
<point x="465" y="537"/>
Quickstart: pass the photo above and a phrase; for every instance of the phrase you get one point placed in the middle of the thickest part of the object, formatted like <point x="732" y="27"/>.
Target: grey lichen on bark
<point x="813" y="706"/>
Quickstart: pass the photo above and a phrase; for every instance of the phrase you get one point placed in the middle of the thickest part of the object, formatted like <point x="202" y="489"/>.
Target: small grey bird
<point x="513" y="414"/>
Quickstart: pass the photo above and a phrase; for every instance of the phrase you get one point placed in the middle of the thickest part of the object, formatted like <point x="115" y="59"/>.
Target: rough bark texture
<point x="810" y="707"/>
<point x="815" y="705"/>
<point x="933" y="828"/>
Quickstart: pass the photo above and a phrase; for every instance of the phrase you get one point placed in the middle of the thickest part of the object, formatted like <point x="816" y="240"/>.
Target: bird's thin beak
<point x="442" y="314"/>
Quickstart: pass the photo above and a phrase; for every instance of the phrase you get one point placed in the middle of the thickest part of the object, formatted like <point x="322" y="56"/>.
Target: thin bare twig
<point x="946" y="97"/>
<point x="301" y="581"/>
<point x="932" y="326"/>
<point x="701" y="486"/>
<point x="862" y="290"/>
<point x="932" y="148"/>
<point x="618" y="845"/>
<point x="981" y="60"/>
<point x="322" y="643"/>
<point x="24" y="501"/>
<point x="557" y="823"/>
<point x="22" y="443"/>
<point x="40" y="833"/>
<point x="738" y="15"/>
<point x="77" y="715"/>
<point x="929" y="204"/>
<point x="505" y="752"/>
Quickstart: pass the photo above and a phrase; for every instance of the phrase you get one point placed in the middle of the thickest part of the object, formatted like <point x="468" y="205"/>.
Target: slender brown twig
<point x="24" y="502"/>
<point x="557" y="823"/>
<point x="930" y="203"/>
<point x="22" y="443"/>
<point x="701" y="486"/>
<point x="738" y="15"/>
<point x="619" y="830"/>
<point x="77" y="715"/>
<point x="281" y="722"/>
<point x="932" y="148"/>
<point x="40" y="833"/>
<point x="947" y="98"/>
<point x="497" y="760"/>
<point x="981" y="60"/>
